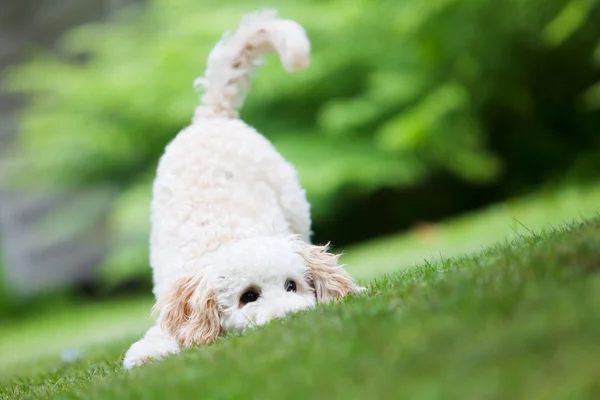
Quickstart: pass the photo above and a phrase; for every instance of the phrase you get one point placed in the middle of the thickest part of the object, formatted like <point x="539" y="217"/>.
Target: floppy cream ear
<point x="188" y="311"/>
<point x="330" y="280"/>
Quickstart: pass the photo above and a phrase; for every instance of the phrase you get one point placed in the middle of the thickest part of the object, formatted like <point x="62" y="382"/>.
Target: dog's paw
<point x="130" y="362"/>
<point x="138" y="354"/>
<point x="361" y="289"/>
<point x="154" y="346"/>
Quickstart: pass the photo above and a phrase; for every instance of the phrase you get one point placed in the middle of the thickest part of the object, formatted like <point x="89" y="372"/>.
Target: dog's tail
<point x="233" y="60"/>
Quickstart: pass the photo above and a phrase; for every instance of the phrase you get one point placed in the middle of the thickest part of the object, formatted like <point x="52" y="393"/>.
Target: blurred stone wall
<point x="37" y="255"/>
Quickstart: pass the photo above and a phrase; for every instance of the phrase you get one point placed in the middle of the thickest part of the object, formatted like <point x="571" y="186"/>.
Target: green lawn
<point x="472" y="232"/>
<point x="521" y="319"/>
<point x="70" y="329"/>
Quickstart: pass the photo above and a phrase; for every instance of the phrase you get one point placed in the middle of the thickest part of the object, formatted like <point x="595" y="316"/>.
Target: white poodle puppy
<point x="230" y="241"/>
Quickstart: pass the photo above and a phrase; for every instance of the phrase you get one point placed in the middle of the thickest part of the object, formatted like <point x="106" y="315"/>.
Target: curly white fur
<point x="233" y="60"/>
<point x="228" y="213"/>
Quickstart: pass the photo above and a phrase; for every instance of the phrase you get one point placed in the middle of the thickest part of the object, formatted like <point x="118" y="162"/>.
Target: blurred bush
<point x="479" y="92"/>
<point x="3" y="286"/>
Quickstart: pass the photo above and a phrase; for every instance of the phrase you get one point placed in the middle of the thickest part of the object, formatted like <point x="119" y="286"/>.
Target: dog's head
<point x="249" y="283"/>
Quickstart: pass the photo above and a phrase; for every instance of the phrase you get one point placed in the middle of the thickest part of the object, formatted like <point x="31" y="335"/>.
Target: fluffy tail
<point x="231" y="63"/>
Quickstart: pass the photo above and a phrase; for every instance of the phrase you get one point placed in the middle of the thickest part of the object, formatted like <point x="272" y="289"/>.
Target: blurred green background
<point x="411" y="112"/>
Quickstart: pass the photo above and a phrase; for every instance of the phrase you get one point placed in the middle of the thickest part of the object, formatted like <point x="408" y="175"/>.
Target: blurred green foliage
<point x="505" y="94"/>
<point x="3" y="286"/>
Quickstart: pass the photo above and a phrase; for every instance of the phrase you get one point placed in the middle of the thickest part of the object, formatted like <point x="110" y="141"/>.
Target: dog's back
<point x="220" y="180"/>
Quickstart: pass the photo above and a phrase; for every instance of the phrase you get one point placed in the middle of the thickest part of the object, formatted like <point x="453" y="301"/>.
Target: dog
<point x="230" y="241"/>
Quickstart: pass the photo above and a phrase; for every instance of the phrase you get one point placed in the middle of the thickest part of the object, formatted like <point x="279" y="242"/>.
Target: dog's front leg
<point x="155" y="345"/>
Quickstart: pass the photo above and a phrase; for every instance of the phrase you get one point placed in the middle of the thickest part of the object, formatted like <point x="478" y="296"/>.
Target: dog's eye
<point x="249" y="296"/>
<point x="290" y="286"/>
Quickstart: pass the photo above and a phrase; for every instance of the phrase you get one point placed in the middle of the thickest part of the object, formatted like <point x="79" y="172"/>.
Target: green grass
<point x="474" y="231"/>
<point x="78" y="327"/>
<point x="518" y="320"/>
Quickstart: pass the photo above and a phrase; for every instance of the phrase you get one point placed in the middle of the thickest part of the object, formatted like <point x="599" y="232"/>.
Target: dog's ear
<point x="189" y="312"/>
<point x="330" y="281"/>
